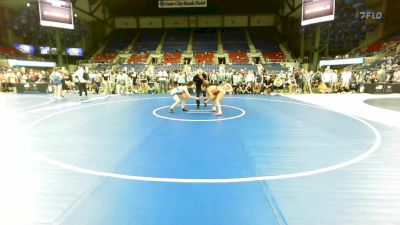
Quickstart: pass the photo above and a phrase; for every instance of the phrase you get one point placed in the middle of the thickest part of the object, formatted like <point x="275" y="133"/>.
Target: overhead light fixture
<point x="28" y="4"/>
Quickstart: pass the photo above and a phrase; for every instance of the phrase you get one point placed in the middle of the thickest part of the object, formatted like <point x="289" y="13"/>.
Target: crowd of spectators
<point x="122" y="80"/>
<point x="10" y="77"/>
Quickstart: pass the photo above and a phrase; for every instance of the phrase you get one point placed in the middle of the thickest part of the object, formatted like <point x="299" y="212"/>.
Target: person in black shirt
<point x="198" y="80"/>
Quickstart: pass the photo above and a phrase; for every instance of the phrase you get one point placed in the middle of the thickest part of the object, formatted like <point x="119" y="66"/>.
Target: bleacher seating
<point x="381" y="45"/>
<point x="205" y="42"/>
<point x="236" y="47"/>
<point x="172" y="58"/>
<point x="205" y="67"/>
<point x="103" y="66"/>
<point x="148" y="41"/>
<point x="239" y="67"/>
<point x="138" y="67"/>
<point x="234" y="41"/>
<point x="273" y="55"/>
<point x="275" y="67"/>
<point x="238" y="57"/>
<point x="106" y="57"/>
<point x="204" y="57"/>
<point x="376" y="47"/>
<point x="266" y="46"/>
<point x="264" y="41"/>
<point x="176" y="41"/>
<point x="120" y="40"/>
<point x="233" y="35"/>
<point x="175" y="47"/>
<point x="8" y="51"/>
<point x="167" y="67"/>
<point x="138" y="58"/>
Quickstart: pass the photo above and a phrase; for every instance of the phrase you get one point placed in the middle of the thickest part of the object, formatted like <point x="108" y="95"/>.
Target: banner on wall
<point x="181" y="3"/>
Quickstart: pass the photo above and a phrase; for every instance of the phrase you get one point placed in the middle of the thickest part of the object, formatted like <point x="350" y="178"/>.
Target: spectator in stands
<point x="381" y="74"/>
<point x="23" y="77"/>
<point x="65" y="82"/>
<point x="113" y="79"/>
<point x="143" y="83"/>
<point x="133" y="75"/>
<point x="277" y="83"/>
<point x="334" y="81"/>
<point x="248" y="88"/>
<point x="181" y="78"/>
<point x="3" y="81"/>
<point x="250" y="79"/>
<point x="162" y="78"/>
<point x="236" y="82"/>
<point x="152" y="89"/>
<point x="258" y="78"/>
<point x="307" y="81"/>
<point x="396" y="76"/>
<point x="106" y="82"/>
<point x="12" y="80"/>
<point x="33" y="77"/>
<point x="214" y="78"/>
<point x="120" y="83"/>
<point x="346" y="76"/>
<point x="316" y="79"/>
<point x="97" y="81"/>
<point x="56" y="80"/>
<point x="373" y="77"/>
<point x="326" y="77"/>
<point x="299" y="77"/>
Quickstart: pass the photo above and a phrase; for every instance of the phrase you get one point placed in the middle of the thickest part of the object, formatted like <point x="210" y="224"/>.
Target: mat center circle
<point x="199" y="114"/>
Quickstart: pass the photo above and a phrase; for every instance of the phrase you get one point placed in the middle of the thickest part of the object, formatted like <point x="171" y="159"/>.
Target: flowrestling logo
<point x="371" y="14"/>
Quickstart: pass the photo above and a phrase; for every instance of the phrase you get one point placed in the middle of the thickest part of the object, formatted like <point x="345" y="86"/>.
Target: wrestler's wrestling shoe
<point x="184" y="110"/>
<point x="219" y="114"/>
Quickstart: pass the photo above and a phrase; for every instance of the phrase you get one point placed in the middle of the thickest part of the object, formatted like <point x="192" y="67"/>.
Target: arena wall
<point x="195" y="21"/>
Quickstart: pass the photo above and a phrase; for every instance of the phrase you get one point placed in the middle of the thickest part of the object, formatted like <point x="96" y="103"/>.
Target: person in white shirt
<point x="327" y="77"/>
<point x="162" y="77"/>
<point x="250" y="77"/>
<point x="382" y="74"/>
<point x="121" y="83"/>
<point x="334" y="81"/>
<point x="82" y="76"/>
<point x="346" y="76"/>
<point x="181" y="92"/>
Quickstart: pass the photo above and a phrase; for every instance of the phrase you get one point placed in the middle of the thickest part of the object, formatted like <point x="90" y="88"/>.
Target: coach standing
<point x="82" y="76"/>
<point x="198" y="80"/>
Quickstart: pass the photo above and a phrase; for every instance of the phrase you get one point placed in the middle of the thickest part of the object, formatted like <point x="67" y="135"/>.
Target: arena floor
<point x="119" y="160"/>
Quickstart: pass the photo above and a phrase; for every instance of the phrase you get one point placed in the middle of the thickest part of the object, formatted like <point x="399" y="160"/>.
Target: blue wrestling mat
<point x="267" y="160"/>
